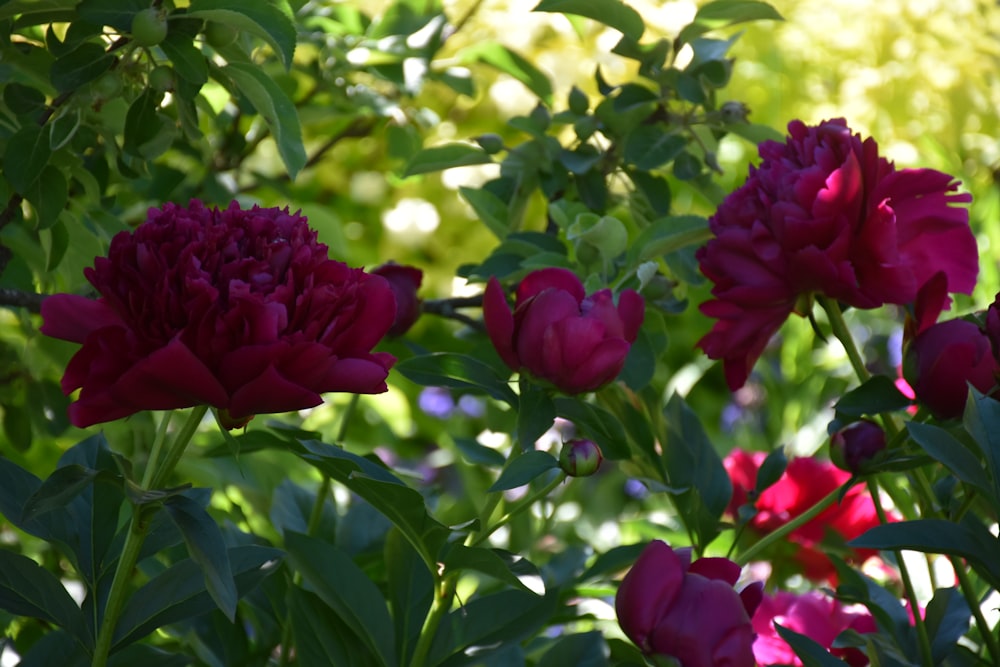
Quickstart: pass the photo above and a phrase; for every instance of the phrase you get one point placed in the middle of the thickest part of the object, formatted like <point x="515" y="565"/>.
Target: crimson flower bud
<point x="580" y="458"/>
<point x="404" y="281"/>
<point x="856" y="444"/>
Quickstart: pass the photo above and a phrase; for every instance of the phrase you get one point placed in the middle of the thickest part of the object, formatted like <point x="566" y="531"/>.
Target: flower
<point x="688" y="611"/>
<point x="804" y="483"/>
<point x="404" y="281"/>
<point x="559" y="334"/>
<point x="941" y="359"/>
<point x="823" y="213"/>
<point x="580" y="457"/>
<point x="238" y="309"/>
<point x="856" y="444"/>
<point x="813" y="614"/>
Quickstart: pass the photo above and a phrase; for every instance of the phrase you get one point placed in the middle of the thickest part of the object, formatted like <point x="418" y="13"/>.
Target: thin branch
<point x="18" y="298"/>
<point x="446" y="308"/>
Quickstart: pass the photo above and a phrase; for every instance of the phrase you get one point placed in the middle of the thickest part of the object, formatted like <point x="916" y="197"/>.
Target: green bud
<point x="580" y="458"/>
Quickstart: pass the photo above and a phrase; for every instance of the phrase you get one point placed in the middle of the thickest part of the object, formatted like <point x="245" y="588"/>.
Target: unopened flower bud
<point x="580" y="458"/>
<point x="856" y="444"/>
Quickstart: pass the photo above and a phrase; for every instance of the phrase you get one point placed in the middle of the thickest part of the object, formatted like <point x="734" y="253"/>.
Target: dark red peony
<point x="558" y="333"/>
<point x="241" y="310"/>
<point x="689" y="611"/>
<point x="404" y="281"/>
<point x="823" y="213"/>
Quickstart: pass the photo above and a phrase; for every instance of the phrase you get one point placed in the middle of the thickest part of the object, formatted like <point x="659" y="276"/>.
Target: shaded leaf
<point x="82" y="65"/>
<point x="597" y="424"/>
<point x="586" y="649"/>
<point x="487" y="561"/>
<point x="809" y="652"/>
<point x="449" y="369"/>
<point x="955" y="456"/>
<point x="875" y="395"/>
<point x="25" y="157"/>
<point x="270" y="20"/>
<point x="525" y="468"/>
<point x="667" y="235"/>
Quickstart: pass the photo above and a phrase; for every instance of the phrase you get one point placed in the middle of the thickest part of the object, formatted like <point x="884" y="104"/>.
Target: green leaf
<point x="410" y="592"/>
<point x="63" y="127"/>
<point x="115" y="13"/>
<point x="597" y="424"/>
<point x="947" y="617"/>
<point x="722" y="13"/>
<point x="292" y="507"/>
<point x="207" y="548"/>
<point x="276" y="108"/>
<point x="954" y="455"/>
<point x="478" y="454"/>
<point x="523" y="469"/>
<point x="333" y="576"/>
<point x="809" y="652"/>
<point x="614" y="560"/>
<point x="755" y="133"/>
<point x="655" y="189"/>
<point x="492" y="210"/>
<point x="82" y="65"/>
<point x="187" y="59"/>
<point x="511" y="63"/>
<point x="16" y="7"/>
<point x="55" y="648"/>
<point x="612" y="13"/>
<point x="668" y="235"/>
<point x="25" y="157"/>
<point x="143" y="122"/>
<point x="447" y="369"/>
<point x="586" y="649"/>
<point x="535" y="414"/>
<point x="61" y="487"/>
<point x="446" y="156"/>
<point x="17" y="427"/>
<point x="48" y="195"/>
<point x="771" y="470"/>
<point x="178" y="593"/>
<point x="651" y="146"/>
<point x="487" y="561"/>
<point x="876" y="395"/>
<point x="22" y="99"/>
<point x="28" y="589"/>
<point x="982" y="421"/>
<point x="268" y="19"/>
<point x="322" y="639"/>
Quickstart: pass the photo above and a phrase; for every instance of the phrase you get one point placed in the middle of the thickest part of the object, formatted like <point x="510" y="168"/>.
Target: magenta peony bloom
<point x="823" y="213"/>
<point x="813" y="614"/>
<point x="404" y="281"/>
<point x="559" y="334"/>
<point x="241" y="310"/>
<point x="805" y="482"/>
<point x="672" y="607"/>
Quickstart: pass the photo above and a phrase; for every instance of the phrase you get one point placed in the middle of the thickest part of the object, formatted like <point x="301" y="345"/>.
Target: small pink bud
<point x="580" y="458"/>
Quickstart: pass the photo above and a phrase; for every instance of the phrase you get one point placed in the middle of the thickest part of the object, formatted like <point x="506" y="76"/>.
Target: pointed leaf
<point x="651" y="146"/>
<point x="25" y="157"/>
<point x="28" y="589"/>
<point x="874" y="396"/>
<point x="446" y="369"/>
<point x="667" y="235"/>
<point x="510" y="62"/>
<point x="947" y="617"/>
<point x="612" y="13"/>
<point x="272" y="21"/>
<point x="492" y="211"/>
<point x="276" y="108"/>
<point x="446" y="156"/>
<point x="535" y="414"/>
<point x="410" y="592"/>
<point x="586" y="649"/>
<point x="82" y="65"/>
<point x="809" y="652"/>
<point x="342" y="585"/>
<point x="722" y="13"/>
<point x="322" y="639"/>
<point x="61" y="487"/>
<point x="206" y="547"/>
<point x="597" y="424"/>
<point x="955" y="456"/>
<point x="525" y="468"/>
<point x="487" y="561"/>
<point x="292" y="507"/>
<point x="982" y="421"/>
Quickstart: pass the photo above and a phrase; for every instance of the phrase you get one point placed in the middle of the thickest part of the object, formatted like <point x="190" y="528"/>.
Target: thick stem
<point x="138" y="526"/>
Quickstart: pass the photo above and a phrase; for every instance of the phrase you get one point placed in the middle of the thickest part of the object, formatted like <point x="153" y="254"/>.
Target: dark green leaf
<point x="25" y="157"/>
<point x="143" y="122"/>
<point x="655" y="189"/>
<point x="17" y="427"/>
<point x="511" y="63"/>
<point x="49" y="194"/>
<point x="586" y="649"/>
<point x="755" y="133"/>
<point x="61" y="487"/>
<point x="597" y="424"/>
<point x="446" y="156"/>
<point x="456" y="370"/>
<point x="322" y="639"/>
<point x="612" y="13"/>
<point x="651" y="146"/>
<point x="982" y="421"/>
<point x="63" y="127"/>
<point x="535" y="414"/>
<point x="115" y="13"/>
<point x="614" y="560"/>
<point x="410" y="592"/>
<point x="82" y="65"/>
<point x="292" y="506"/>
<point x="668" y="235"/>
<point x="955" y="456"/>
<point x="811" y="653"/>
<point x="276" y="108"/>
<point x="492" y="211"/>
<point x="487" y="561"/>
<point x="686" y="166"/>
<point x="333" y="576"/>
<point x="947" y="617"/>
<point x="477" y="454"/>
<point x="271" y="21"/>
<point x="207" y="548"/>
<point x="188" y="61"/>
<point x="22" y="99"/>
<point x="525" y="468"/>
<point x="27" y="589"/>
<point x="876" y="395"/>
<point x="178" y="593"/>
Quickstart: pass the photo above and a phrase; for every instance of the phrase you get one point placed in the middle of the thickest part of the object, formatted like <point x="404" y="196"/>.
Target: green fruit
<point x="220" y="35"/>
<point x="149" y="27"/>
<point x="162" y="78"/>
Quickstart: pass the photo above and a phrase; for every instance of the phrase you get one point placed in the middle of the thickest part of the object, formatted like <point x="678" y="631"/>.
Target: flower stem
<point x="780" y="533"/>
<point x="152" y="478"/>
<point x="992" y="646"/>
<point x="524" y="504"/>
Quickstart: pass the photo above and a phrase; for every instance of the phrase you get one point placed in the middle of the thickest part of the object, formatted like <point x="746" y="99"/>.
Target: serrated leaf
<point x="276" y="108"/>
<point x="446" y="156"/>
<point x="345" y="588"/>
<point x="513" y="64"/>
<point x="612" y="13"/>
<point x="25" y="157"/>
<point x="525" y="468"/>
<point x="270" y="20"/>
<point x="447" y="369"/>
<point x="207" y="548"/>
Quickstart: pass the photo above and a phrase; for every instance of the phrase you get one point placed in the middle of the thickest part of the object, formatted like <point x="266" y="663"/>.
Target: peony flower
<point x="580" y="457"/>
<point x="813" y="614"/>
<point x="560" y="334"/>
<point x="688" y="611"/>
<point x="941" y="359"/>
<point x="238" y="309"/>
<point x="805" y="482"/>
<point x="404" y="281"/>
<point x="855" y="445"/>
<point x="823" y="213"/>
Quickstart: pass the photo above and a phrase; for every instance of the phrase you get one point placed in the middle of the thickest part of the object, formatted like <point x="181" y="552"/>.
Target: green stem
<point x="926" y="657"/>
<point x="992" y="646"/>
<point x="154" y="453"/>
<point x="522" y="505"/>
<point x="780" y="533"/>
<point x="138" y="526"/>
<point x="443" y="597"/>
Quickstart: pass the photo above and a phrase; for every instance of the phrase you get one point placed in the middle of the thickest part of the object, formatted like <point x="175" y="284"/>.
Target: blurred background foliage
<point x="373" y="82"/>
